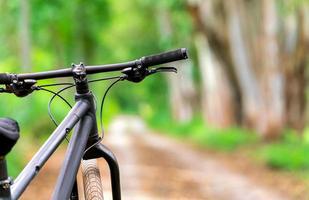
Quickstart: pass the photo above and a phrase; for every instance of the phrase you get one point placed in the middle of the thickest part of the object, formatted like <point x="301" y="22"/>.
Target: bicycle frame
<point x="82" y="117"/>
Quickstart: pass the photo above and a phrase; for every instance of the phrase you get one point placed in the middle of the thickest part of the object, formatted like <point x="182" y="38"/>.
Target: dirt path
<point x="166" y="169"/>
<point x="154" y="167"/>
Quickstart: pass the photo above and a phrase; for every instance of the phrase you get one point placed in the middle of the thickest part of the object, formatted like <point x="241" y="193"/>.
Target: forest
<point x="246" y="82"/>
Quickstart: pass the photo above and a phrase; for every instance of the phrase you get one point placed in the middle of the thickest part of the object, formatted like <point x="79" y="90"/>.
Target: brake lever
<point x="138" y="74"/>
<point x="166" y="69"/>
<point x="162" y="69"/>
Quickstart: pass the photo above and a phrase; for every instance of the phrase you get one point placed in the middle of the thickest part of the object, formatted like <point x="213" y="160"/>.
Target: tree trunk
<point x="250" y="91"/>
<point x="271" y="122"/>
<point x="181" y="94"/>
<point x="295" y="60"/>
<point x="25" y="35"/>
<point x="244" y="35"/>
<point x="217" y="101"/>
<point x="220" y="99"/>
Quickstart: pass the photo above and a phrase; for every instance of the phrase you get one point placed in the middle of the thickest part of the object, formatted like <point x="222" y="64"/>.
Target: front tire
<point x="92" y="183"/>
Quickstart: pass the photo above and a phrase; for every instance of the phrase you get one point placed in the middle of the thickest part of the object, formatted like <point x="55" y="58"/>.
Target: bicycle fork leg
<point x="101" y="151"/>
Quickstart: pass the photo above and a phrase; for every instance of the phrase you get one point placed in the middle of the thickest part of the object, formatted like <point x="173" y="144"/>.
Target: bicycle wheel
<point x="93" y="189"/>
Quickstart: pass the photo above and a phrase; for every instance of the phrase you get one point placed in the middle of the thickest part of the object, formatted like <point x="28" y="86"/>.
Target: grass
<point x="286" y="156"/>
<point x="198" y="132"/>
<point x="224" y="140"/>
<point x="291" y="152"/>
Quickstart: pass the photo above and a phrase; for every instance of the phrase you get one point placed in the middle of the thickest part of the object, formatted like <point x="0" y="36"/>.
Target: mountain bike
<point x="85" y="144"/>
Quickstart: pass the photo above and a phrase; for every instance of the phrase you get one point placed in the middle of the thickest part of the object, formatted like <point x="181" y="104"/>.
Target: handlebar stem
<point x="80" y="78"/>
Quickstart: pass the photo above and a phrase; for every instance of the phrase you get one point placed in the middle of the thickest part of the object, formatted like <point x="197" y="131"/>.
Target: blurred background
<point x="240" y="100"/>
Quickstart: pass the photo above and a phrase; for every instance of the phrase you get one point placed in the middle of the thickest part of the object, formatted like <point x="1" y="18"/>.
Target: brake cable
<point x="102" y="103"/>
<point x="50" y="101"/>
<point x="120" y="78"/>
<point x="70" y="85"/>
<point x="130" y="74"/>
<point x="55" y="84"/>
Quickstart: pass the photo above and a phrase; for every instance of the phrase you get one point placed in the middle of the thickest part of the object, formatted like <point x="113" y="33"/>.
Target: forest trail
<point x="154" y="167"/>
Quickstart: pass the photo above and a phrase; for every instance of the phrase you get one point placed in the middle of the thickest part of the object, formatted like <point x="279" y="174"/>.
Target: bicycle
<point x="85" y="142"/>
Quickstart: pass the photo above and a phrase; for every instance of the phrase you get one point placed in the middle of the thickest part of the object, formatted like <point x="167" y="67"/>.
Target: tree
<point x="245" y="36"/>
<point x="216" y="97"/>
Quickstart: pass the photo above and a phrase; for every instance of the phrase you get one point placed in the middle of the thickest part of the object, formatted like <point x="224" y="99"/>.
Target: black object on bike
<point x="166" y="57"/>
<point x="9" y="134"/>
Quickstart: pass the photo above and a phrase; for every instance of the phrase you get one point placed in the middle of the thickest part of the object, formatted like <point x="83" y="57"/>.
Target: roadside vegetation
<point x="289" y="153"/>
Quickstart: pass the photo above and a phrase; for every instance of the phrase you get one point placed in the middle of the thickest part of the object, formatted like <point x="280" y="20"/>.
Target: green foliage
<point x="63" y="32"/>
<point x="289" y="154"/>
<point x="286" y="156"/>
<point x="100" y="32"/>
<point x="224" y="139"/>
<point x="287" y="7"/>
<point x="197" y="131"/>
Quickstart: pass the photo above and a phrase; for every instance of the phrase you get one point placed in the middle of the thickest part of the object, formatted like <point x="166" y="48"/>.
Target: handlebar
<point x="165" y="57"/>
<point x="146" y="61"/>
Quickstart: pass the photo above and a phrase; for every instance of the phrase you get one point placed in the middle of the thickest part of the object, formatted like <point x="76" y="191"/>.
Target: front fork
<point x="98" y="150"/>
<point x="101" y="151"/>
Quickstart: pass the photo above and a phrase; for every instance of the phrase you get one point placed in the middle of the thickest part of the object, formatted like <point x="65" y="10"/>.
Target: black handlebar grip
<point x="5" y="78"/>
<point x="165" y="57"/>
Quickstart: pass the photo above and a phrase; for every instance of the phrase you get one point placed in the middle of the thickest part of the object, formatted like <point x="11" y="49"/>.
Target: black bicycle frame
<point x="82" y="117"/>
